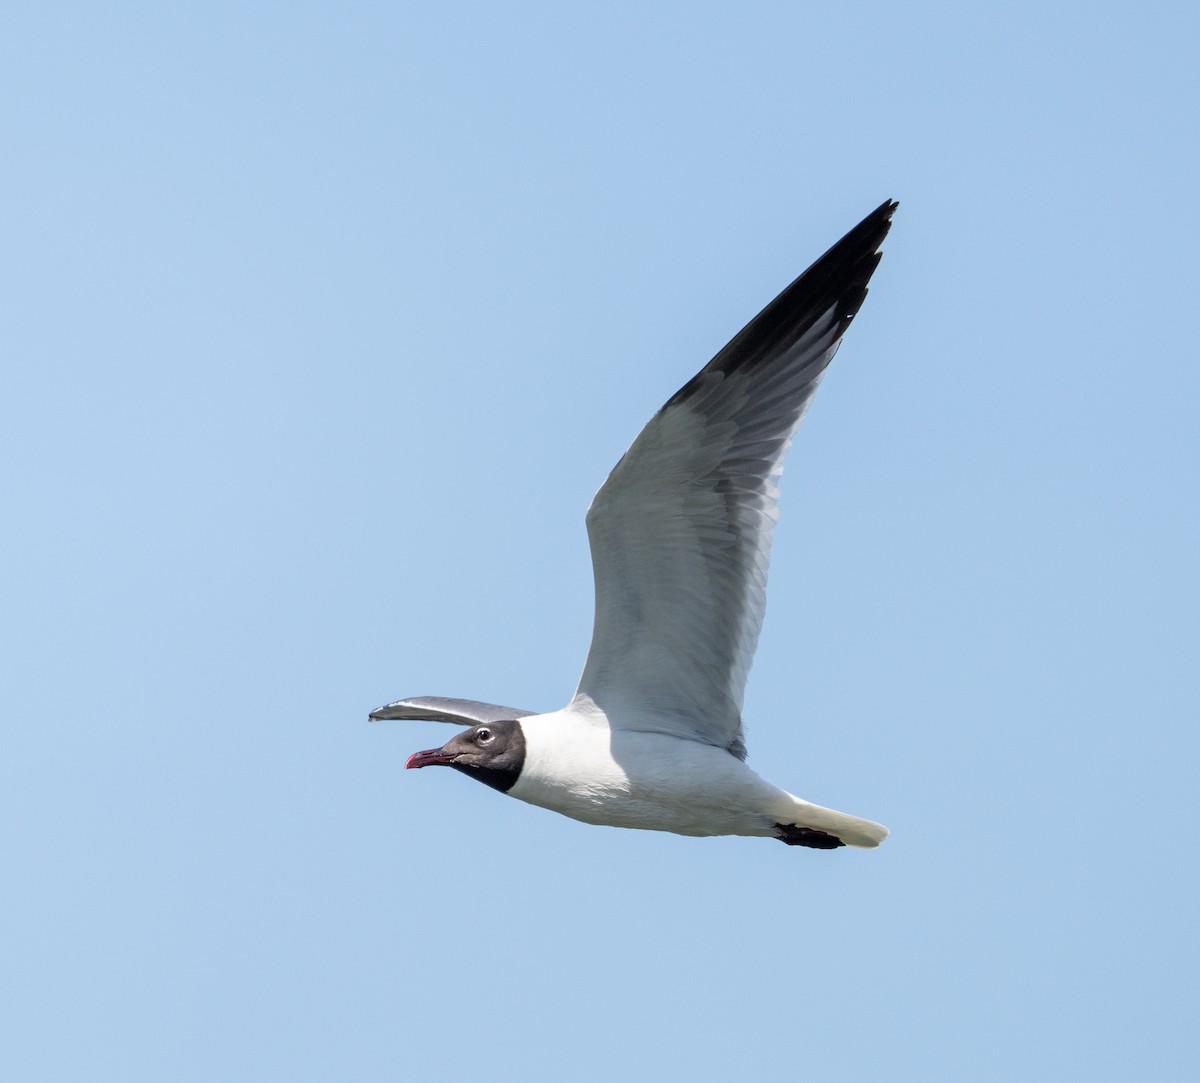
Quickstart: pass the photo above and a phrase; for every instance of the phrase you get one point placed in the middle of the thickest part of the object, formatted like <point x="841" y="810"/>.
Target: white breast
<point x="575" y="764"/>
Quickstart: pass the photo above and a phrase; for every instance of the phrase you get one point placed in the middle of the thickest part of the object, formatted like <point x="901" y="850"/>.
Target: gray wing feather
<point x="462" y="712"/>
<point x="681" y="530"/>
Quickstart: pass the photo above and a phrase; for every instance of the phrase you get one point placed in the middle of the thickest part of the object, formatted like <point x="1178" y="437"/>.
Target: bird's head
<point x="493" y="753"/>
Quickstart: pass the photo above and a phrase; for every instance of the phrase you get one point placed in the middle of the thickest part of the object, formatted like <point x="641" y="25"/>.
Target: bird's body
<point x="680" y="536"/>
<point x="578" y="765"/>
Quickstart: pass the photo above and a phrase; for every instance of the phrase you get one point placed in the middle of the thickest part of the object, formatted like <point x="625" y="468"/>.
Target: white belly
<point x="577" y="766"/>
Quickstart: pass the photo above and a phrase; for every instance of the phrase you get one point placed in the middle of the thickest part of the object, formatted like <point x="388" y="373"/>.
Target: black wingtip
<point x="837" y="280"/>
<point x="814" y="839"/>
<point x="848" y="265"/>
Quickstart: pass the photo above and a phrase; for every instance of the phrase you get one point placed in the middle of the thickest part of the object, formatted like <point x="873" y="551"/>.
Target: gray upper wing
<point x="463" y="712"/>
<point x="681" y="530"/>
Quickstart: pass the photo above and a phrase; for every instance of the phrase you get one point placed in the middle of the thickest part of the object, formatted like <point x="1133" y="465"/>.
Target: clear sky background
<point x="322" y="325"/>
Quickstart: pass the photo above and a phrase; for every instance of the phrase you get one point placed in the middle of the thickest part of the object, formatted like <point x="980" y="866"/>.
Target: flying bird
<point x="680" y="536"/>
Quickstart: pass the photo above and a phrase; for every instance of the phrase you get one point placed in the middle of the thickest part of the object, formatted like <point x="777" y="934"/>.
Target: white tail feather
<point x="850" y="829"/>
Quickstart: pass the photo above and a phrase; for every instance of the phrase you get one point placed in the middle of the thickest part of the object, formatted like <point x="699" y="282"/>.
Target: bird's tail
<point x="823" y="828"/>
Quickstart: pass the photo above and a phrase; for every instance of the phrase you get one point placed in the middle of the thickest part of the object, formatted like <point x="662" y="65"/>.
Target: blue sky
<point x="323" y="324"/>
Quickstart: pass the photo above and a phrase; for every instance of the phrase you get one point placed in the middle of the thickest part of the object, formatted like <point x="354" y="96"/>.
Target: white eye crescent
<point x="483" y="736"/>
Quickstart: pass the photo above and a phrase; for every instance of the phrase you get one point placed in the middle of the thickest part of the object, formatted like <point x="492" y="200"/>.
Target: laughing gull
<point x="681" y="536"/>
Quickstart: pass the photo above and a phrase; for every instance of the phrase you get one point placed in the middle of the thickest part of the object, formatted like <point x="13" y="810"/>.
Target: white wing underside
<point x="681" y="541"/>
<point x="681" y="530"/>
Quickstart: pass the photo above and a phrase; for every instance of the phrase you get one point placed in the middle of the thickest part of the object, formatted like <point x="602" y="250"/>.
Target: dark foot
<point x="807" y="836"/>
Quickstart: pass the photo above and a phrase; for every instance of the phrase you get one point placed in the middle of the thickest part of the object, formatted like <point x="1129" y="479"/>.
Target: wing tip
<point x="838" y="278"/>
<point x="445" y="709"/>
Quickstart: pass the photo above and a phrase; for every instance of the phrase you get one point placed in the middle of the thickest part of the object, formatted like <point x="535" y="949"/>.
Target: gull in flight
<point x="681" y="536"/>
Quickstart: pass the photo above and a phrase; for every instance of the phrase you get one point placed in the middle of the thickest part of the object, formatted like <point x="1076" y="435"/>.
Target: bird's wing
<point x="681" y="530"/>
<point x="462" y="712"/>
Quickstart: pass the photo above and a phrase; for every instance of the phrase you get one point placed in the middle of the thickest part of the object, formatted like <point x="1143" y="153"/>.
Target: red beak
<point x="433" y="757"/>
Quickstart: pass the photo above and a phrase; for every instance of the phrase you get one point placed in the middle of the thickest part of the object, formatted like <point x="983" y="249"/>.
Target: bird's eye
<point x="483" y="736"/>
